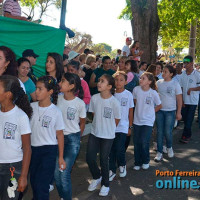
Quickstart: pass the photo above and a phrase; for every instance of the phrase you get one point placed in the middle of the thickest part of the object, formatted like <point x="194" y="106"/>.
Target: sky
<point x="97" y="18"/>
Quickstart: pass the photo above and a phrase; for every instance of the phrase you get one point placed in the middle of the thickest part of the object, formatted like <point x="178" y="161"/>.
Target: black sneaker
<point x="184" y="140"/>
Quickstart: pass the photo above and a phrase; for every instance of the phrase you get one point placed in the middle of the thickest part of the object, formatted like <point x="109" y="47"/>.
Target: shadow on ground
<point x="140" y="184"/>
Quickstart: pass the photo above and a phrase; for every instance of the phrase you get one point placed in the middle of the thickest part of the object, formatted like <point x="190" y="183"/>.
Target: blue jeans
<point x="43" y="160"/>
<point x="5" y="177"/>
<point x="103" y="147"/>
<point x="188" y="113"/>
<point x="141" y="139"/>
<point x="165" y="122"/>
<point x="63" y="179"/>
<point x="117" y="153"/>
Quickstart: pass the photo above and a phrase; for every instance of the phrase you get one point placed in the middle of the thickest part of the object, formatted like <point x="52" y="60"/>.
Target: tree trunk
<point x="193" y="33"/>
<point x="145" y="27"/>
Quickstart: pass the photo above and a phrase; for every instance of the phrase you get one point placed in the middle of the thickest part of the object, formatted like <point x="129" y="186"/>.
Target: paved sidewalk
<point x="140" y="184"/>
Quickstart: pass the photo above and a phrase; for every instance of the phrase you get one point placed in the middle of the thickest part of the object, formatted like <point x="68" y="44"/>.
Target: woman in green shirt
<point x="23" y="70"/>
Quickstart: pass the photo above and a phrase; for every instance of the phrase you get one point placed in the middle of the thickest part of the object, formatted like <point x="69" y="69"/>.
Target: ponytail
<point x="151" y="78"/>
<point x="75" y="79"/>
<point x="19" y="98"/>
<point x="50" y="84"/>
<point x="111" y="81"/>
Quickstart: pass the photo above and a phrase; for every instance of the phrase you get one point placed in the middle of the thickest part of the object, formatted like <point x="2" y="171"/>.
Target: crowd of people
<point x="42" y="119"/>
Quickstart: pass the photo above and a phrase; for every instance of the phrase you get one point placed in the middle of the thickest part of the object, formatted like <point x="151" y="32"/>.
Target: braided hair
<point x="50" y="84"/>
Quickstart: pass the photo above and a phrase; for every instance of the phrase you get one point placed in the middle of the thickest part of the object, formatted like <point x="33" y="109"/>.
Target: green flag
<point x="21" y="35"/>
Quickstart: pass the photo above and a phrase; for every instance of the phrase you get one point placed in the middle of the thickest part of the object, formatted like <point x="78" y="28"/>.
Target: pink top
<point x="130" y="77"/>
<point x="86" y="96"/>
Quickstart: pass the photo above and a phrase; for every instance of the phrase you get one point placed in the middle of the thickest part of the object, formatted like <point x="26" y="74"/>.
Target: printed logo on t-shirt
<point x="190" y="81"/>
<point x="9" y="131"/>
<point x="169" y="90"/>
<point x="124" y="101"/>
<point x="107" y="112"/>
<point x="46" y="121"/>
<point x="148" y="100"/>
<point x="71" y="113"/>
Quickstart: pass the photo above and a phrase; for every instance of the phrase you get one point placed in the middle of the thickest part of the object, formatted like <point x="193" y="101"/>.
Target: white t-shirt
<point x="105" y="112"/>
<point x="140" y="73"/>
<point x="125" y="99"/>
<point x="177" y="77"/>
<point x="44" y="124"/>
<point x="72" y="111"/>
<point x="126" y="49"/>
<point x="22" y="85"/>
<point x="187" y="82"/>
<point x="145" y="107"/>
<point x="168" y="91"/>
<point x="160" y="76"/>
<point x="13" y="124"/>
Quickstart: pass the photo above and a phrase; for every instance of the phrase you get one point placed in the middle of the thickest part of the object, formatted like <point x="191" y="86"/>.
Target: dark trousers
<point x="188" y="113"/>
<point x="199" y="111"/>
<point x="127" y="142"/>
<point x="103" y="146"/>
<point x="141" y="139"/>
<point x="5" y="177"/>
<point x="117" y="153"/>
<point x="42" y="169"/>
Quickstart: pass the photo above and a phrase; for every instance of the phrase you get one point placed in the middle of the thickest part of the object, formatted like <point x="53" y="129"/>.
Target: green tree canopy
<point x="176" y="17"/>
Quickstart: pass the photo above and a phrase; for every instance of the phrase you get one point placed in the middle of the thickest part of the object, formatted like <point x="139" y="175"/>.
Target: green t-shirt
<point x="99" y="72"/>
<point x="30" y="88"/>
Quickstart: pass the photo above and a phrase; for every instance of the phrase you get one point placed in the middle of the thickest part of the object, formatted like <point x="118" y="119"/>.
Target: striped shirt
<point x="12" y="7"/>
<point x="1" y="9"/>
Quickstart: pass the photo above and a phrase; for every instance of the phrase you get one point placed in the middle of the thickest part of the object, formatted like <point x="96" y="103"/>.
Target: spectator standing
<point x="189" y="81"/>
<point x="32" y="57"/>
<point x="12" y="9"/>
<point x="126" y="49"/>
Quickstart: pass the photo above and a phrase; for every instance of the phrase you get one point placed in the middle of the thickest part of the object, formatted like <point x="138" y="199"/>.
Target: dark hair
<point x="171" y="69"/>
<point x="179" y="65"/>
<point x="133" y="45"/>
<point x="161" y="65"/>
<point x="75" y="79"/>
<point x="133" y="63"/>
<point x="86" y="51"/>
<point x="10" y="56"/>
<point x="142" y="63"/>
<point x="67" y="47"/>
<point x="105" y="58"/>
<point x="117" y="73"/>
<point x="11" y="84"/>
<point x="65" y="57"/>
<point x="111" y="81"/>
<point x="74" y="64"/>
<point x="59" y="65"/>
<point x="119" y="50"/>
<point x="22" y="60"/>
<point x="152" y="69"/>
<point x="50" y="84"/>
<point x="151" y="78"/>
<point x="189" y="57"/>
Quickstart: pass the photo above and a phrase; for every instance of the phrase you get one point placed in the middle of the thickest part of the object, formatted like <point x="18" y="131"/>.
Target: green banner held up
<point x="20" y="35"/>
